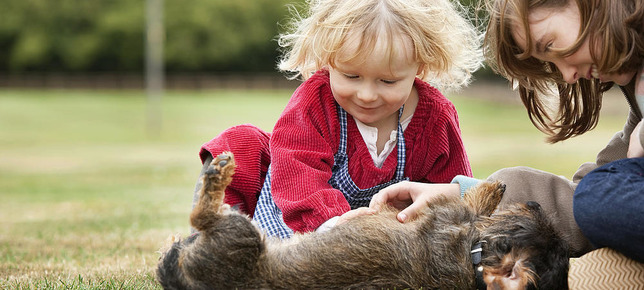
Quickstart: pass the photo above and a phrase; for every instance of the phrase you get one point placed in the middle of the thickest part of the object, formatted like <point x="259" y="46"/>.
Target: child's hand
<point x="635" y="149"/>
<point x="354" y="213"/>
<point x="411" y="197"/>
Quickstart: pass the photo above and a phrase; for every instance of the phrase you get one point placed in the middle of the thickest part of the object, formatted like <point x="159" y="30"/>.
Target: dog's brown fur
<point x="520" y="247"/>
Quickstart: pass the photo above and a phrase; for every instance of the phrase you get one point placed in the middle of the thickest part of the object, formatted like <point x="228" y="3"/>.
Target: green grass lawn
<point x="88" y="193"/>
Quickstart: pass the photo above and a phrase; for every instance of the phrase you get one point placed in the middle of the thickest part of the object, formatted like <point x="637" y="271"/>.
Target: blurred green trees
<point x="223" y="35"/>
<point x="71" y="35"/>
<point x="108" y="35"/>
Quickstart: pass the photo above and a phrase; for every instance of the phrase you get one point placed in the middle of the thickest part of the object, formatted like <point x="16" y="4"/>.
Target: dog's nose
<point x="533" y="205"/>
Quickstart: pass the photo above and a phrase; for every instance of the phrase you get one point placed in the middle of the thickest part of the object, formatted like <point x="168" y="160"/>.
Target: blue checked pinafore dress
<point x="269" y="217"/>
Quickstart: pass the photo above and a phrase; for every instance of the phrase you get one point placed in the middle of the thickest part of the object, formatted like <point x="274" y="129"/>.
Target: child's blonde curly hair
<point x="445" y="44"/>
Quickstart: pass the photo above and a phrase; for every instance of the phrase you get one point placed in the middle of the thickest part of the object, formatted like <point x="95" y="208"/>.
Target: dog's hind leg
<point x="485" y="197"/>
<point x="182" y="260"/>
<point x="224" y="253"/>
<point x="210" y="205"/>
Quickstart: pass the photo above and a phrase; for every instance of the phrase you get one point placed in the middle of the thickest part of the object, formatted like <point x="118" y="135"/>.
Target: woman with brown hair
<point x="568" y="52"/>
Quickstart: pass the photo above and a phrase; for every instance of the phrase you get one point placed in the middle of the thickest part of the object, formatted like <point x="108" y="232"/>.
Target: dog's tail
<point x="169" y="272"/>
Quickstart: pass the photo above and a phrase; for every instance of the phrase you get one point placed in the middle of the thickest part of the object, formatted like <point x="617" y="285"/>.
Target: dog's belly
<point x="377" y="248"/>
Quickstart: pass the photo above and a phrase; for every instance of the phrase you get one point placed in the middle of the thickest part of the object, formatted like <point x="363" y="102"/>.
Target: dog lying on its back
<point x="520" y="248"/>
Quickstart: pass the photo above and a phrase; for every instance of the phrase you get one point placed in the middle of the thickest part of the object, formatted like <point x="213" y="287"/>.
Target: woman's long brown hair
<point x="617" y="26"/>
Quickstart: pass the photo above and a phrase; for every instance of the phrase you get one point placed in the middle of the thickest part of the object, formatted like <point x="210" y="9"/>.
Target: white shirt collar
<point x="370" y="137"/>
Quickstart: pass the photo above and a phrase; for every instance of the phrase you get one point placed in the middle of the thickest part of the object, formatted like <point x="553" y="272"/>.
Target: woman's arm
<point x="635" y="149"/>
<point x="636" y="146"/>
<point x="616" y="149"/>
<point x="412" y="197"/>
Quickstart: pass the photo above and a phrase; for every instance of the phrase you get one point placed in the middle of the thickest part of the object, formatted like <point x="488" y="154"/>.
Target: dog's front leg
<point x="485" y="197"/>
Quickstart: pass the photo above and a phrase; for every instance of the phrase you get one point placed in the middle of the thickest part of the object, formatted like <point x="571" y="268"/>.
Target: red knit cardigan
<point x="306" y="137"/>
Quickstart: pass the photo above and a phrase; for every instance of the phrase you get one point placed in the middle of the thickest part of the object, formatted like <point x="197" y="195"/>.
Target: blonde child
<point x="367" y="115"/>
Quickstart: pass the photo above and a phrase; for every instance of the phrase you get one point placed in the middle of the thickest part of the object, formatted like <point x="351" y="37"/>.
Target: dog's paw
<point x="495" y="190"/>
<point x="219" y="173"/>
<point x="215" y="179"/>
<point x="221" y="165"/>
<point x="485" y="197"/>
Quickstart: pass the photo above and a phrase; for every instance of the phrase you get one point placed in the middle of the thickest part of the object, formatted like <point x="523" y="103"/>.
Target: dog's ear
<point x="533" y="205"/>
<point x="553" y="251"/>
<point x="556" y="275"/>
<point x="555" y="258"/>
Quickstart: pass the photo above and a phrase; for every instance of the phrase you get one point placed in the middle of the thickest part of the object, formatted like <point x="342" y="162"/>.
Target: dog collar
<point x="476" y="252"/>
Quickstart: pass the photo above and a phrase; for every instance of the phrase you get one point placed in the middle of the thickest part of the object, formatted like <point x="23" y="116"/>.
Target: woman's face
<point x="557" y="28"/>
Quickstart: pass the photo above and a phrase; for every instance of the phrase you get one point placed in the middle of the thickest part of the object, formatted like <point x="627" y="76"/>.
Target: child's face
<point x="559" y="29"/>
<point x="374" y="87"/>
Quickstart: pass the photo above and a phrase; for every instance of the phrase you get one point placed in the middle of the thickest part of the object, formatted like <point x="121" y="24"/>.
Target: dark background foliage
<point x="76" y="36"/>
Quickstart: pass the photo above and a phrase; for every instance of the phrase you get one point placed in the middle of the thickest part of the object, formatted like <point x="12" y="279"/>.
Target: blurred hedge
<point x="72" y="36"/>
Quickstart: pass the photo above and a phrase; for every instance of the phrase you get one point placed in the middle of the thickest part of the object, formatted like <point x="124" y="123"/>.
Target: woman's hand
<point x="411" y="197"/>
<point x="635" y="149"/>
